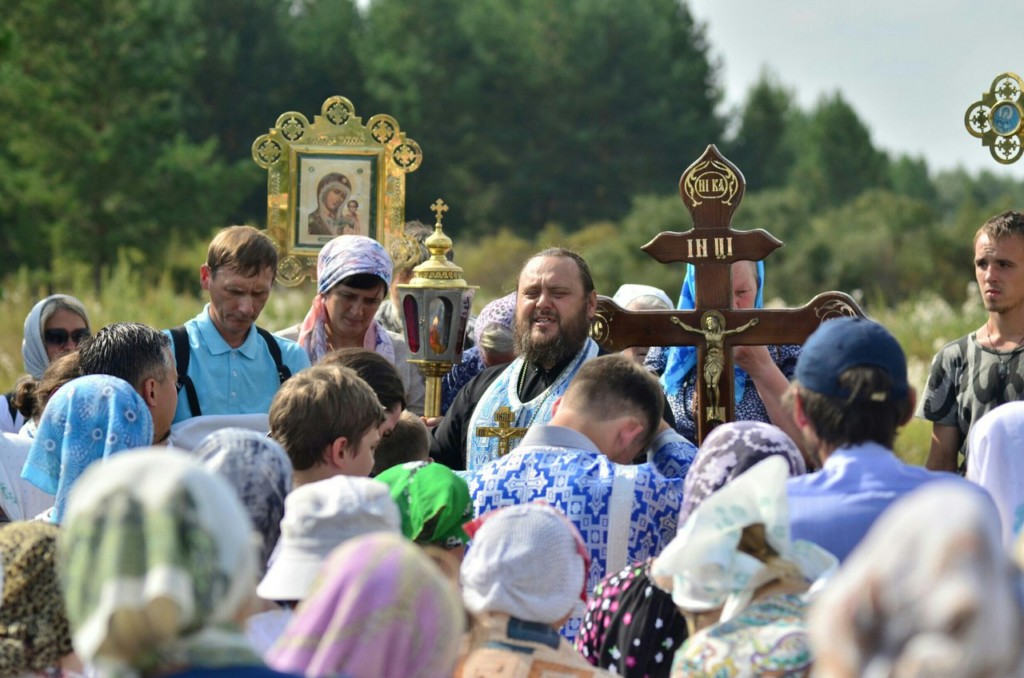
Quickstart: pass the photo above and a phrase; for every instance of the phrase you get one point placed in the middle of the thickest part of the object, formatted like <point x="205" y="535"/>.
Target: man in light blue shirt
<point x="232" y="368"/>
<point x="850" y="396"/>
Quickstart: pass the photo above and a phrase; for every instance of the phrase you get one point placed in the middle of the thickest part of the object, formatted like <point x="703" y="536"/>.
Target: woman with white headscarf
<point x="930" y="591"/>
<point x="158" y="567"/>
<point x="353" y="274"/>
<point x="740" y="581"/>
<point x="523" y="578"/>
<point x="54" y="327"/>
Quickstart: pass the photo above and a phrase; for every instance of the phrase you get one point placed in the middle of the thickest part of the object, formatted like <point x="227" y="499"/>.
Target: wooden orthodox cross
<point x="711" y="189"/>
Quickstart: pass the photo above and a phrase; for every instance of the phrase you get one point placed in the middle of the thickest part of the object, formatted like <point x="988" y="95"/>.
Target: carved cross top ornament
<point x="711" y="189"/>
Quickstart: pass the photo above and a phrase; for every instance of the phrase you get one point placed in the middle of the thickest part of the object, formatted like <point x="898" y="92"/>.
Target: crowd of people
<point x="219" y="500"/>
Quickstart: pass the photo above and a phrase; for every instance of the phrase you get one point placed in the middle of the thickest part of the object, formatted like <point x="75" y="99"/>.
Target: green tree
<point x="881" y="244"/>
<point x="763" y="147"/>
<point x="837" y="160"/>
<point x="909" y="176"/>
<point x="542" y="111"/>
<point x="93" y="106"/>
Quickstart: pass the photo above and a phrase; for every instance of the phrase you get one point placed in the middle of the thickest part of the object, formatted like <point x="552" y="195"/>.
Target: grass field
<point x="922" y="325"/>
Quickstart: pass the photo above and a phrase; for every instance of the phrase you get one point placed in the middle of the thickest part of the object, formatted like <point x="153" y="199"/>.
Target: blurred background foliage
<point x="128" y="126"/>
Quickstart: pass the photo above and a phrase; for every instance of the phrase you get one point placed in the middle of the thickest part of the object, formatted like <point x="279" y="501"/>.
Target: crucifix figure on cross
<point x="504" y="431"/>
<point x="714" y="358"/>
<point x="711" y="189"/>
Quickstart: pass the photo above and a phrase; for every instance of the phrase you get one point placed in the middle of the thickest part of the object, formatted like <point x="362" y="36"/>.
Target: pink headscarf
<point x="342" y="257"/>
<point x="378" y="608"/>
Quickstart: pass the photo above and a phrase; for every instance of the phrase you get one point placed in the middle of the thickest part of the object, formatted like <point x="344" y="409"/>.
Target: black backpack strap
<point x="275" y="352"/>
<point x="179" y="335"/>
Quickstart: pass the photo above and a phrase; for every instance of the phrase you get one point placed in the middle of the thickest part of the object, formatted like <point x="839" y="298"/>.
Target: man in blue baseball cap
<point x="849" y="396"/>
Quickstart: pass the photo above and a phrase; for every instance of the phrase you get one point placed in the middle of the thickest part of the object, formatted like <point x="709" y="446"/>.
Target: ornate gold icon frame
<point x="332" y="177"/>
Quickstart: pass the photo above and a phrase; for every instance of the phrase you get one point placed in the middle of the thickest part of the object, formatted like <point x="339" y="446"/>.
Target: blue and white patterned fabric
<point x="87" y="419"/>
<point x="504" y="392"/>
<point x="472" y="364"/>
<point x="671" y="454"/>
<point x="624" y="513"/>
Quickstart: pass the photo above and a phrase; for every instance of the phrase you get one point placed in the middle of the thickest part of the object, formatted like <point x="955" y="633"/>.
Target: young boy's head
<point x="409" y="440"/>
<point x="327" y="420"/>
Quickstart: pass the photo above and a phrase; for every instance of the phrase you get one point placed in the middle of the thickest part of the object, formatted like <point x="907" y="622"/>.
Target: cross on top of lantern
<point x="996" y="118"/>
<point x="435" y="306"/>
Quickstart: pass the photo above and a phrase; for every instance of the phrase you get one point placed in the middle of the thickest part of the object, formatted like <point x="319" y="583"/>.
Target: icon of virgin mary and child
<point x="335" y="214"/>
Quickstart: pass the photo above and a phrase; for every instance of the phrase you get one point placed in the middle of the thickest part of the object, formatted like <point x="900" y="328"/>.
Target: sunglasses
<point x="59" y="337"/>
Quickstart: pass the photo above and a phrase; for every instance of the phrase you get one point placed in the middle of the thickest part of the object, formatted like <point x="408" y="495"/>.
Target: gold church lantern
<point x="435" y="307"/>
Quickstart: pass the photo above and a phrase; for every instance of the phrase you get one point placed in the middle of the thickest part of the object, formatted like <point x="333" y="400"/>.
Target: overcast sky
<point x="909" y="68"/>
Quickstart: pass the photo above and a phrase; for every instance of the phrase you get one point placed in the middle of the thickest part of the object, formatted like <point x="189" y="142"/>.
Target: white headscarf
<point x="995" y="463"/>
<point x="707" y="569"/>
<point x="928" y="592"/>
<point x="33" y="347"/>
<point x="630" y="292"/>
<point x="527" y="561"/>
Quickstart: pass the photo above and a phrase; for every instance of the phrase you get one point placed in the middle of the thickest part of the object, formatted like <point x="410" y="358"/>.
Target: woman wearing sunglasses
<point x="54" y="327"/>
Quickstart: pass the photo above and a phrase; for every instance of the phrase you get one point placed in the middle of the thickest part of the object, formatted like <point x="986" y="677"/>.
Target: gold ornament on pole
<point x="997" y="118"/>
<point x="435" y="306"/>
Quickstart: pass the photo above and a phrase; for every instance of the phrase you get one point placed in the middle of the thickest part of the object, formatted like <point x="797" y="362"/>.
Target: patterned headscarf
<point x="930" y="591"/>
<point x="34" y="633"/>
<point x="498" y="312"/>
<point x="527" y="561"/>
<point x="261" y="473"/>
<point x="88" y="419"/>
<point x="33" y="346"/>
<point x="379" y="608"/>
<point x="157" y="560"/>
<point x="343" y="257"/>
<point x="433" y="500"/>
<point x="728" y="451"/>
<point x="680" y="360"/>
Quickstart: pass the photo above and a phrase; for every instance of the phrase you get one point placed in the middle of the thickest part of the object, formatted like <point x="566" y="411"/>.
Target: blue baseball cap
<point x="837" y="345"/>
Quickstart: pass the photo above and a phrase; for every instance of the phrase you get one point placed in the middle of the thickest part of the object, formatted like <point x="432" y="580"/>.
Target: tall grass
<point x="922" y="325"/>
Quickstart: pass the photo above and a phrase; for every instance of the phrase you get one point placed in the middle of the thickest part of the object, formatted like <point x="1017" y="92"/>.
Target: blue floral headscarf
<point x="680" y="360"/>
<point x="87" y="419"/>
